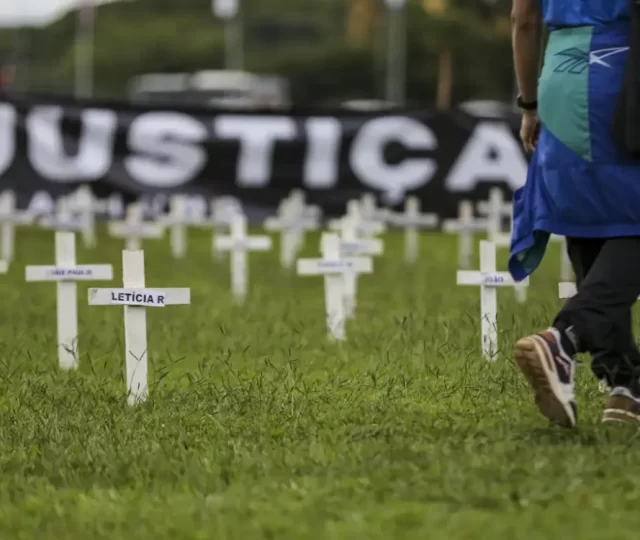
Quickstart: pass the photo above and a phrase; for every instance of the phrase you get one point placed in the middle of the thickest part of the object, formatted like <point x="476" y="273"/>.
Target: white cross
<point x="41" y="204"/>
<point x="136" y="298"/>
<point x="222" y="211"/>
<point x="334" y="268"/>
<point x="488" y="279"/>
<point x="411" y="220"/>
<point x="63" y="219"/>
<point x="133" y="229"/>
<point x="466" y="226"/>
<point x="9" y="218"/>
<point x="238" y="243"/>
<point x="566" y="271"/>
<point x="177" y="220"/>
<point x="350" y="246"/>
<point x="504" y="240"/>
<point x="184" y="211"/>
<point x="363" y="226"/>
<point x="111" y="207"/>
<point x="567" y="289"/>
<point x="291" y="224"/>
<point x="297" y="205"/>
<point x="495" y="209"/>
<point x="370" y="210"/>
<point x="191" y="210"/>
<point x="83" y="203"/>
<point x="297" y="199"/>
<point x="66" y="273"/>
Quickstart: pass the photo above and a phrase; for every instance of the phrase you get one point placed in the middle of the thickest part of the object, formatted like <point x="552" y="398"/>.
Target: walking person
<point x="583" y="186"/>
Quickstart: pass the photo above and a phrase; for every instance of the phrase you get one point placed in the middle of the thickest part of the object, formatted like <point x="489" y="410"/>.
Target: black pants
<point x="608" y="281"/>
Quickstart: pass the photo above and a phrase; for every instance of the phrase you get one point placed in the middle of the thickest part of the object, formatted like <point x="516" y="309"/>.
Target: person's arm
<point x="526" y="26"/>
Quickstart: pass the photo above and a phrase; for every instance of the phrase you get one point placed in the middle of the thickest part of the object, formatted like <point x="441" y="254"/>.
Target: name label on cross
<point x="70" y="225"/>
<point x="361" y="247"/>
<point x="494" y="279"/>
<point x="243" y="245"/>
<point x="487" y="279"/>
<point x="80" y="272"/>
<point x="70" y="272"/>
<point x="353" y="246"/>
<point x="336" y="265"/>
<point x="147" y="298"/>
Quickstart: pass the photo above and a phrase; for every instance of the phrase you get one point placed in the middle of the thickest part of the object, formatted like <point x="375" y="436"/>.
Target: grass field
<point x="258" y="428"/>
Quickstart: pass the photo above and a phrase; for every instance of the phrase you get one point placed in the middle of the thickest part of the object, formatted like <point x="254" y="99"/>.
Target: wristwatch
<point x="526" y="106"/>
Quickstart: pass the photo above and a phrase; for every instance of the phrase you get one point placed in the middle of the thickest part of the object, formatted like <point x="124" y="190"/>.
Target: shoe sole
<point x="531" y="358"/>
<point x="615" y="415"/>
<point x="612" y="416"/>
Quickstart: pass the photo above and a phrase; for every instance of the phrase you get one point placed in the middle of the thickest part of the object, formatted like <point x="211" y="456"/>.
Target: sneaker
<point x="550" y="372"/>
<point x="622" y="406"/>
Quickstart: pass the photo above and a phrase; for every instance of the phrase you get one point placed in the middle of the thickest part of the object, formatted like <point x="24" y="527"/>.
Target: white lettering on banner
<point x="7" y="137"/>
<point x="169" y="153"/>
<point x="394" y="180"/>
<point x="257" y="136"/>
<point x="323" y="158"/>
<point x="492" y="154"/>
<point x="45" y="144"/>
<point x="146" y="299"/>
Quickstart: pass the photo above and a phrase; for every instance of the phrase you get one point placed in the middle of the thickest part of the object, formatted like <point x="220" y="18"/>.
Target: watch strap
<point x="527" y="105"/>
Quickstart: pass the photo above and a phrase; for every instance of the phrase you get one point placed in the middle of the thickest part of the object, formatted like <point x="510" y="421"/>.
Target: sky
<point x="33" y="12"/>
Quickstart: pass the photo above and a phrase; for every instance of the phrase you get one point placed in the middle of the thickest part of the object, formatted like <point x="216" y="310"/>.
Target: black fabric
<point x="608" y="281"/>
<point x="626" y="122"/>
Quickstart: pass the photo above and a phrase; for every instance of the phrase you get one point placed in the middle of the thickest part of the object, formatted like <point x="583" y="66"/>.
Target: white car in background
<point x="218" y="88"/>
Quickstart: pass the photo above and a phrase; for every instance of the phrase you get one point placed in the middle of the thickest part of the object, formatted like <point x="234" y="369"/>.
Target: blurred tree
<point x="303" y="40"/>
<point x="361" y="22"/>
<point x="435" y="7"/>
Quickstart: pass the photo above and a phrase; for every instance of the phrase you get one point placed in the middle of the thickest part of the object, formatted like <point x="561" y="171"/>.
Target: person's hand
<point x="529" y="130"/>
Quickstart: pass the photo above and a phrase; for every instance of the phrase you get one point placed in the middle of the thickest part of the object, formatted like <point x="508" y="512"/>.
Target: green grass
<point x="258" y="428"/>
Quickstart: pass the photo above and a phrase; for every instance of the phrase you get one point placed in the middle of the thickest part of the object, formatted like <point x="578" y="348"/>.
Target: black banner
<point x="53" y="145"/>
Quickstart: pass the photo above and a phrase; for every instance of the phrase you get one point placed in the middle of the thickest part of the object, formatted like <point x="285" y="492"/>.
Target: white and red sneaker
<point x="550" y="372"/>
<point x="623" y="406"/>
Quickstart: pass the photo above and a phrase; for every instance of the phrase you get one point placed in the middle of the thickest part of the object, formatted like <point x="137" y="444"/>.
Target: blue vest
<point x="579" y="184"/>
<point x="562" y="13"/>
